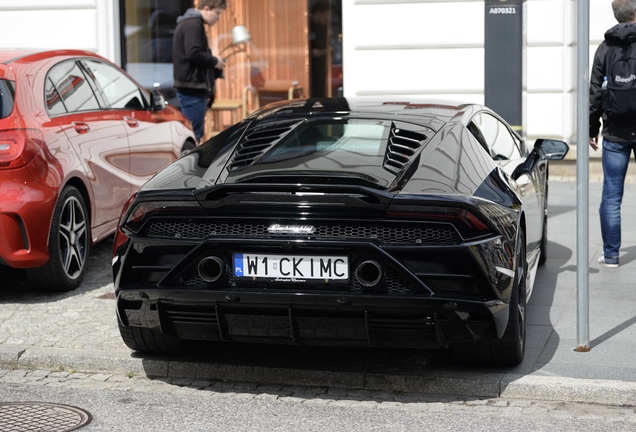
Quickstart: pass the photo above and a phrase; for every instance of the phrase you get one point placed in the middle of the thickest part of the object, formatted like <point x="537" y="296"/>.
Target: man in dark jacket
<point x="195" y="68"/>
<point x="619" y="135"/>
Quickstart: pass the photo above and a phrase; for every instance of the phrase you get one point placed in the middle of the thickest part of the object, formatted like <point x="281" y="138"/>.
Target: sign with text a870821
<point x="503" y="7"/>
<point x="502" y="10"/>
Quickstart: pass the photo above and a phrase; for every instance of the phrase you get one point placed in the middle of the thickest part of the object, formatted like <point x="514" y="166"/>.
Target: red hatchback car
<point x="78" y="136"/>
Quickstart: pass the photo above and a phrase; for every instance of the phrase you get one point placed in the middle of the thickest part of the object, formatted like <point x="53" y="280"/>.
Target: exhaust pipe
<point x="211" y="268"/>
<point x="369" y="273"/>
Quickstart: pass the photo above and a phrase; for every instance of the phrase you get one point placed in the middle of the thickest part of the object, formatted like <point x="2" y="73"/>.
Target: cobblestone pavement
<point x="29" y="318"/>
<point x="79" y="330"/>
<point x="620" y="417"/>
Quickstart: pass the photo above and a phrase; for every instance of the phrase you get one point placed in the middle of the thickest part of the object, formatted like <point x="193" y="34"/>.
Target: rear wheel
<point x="510" y="349"/>
<point x="543" y="256"/>
<point x="69" y="245"/>
<point x="543" y="247"/>
<point x="150" y="341"/>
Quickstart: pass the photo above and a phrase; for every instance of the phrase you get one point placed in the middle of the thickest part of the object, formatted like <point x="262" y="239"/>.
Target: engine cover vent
<point x="257" y="141"/>
<point x="403" y="145"/>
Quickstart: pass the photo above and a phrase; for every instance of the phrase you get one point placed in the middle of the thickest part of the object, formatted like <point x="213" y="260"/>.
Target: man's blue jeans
<point x="615" y="161"/>
<point x="194" y="107"/>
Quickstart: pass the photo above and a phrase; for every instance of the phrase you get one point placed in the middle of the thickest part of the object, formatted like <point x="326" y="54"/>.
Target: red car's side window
<point x="73" y="88"/>
<point x="115" y="88"/>
<point x="54" y="104"/>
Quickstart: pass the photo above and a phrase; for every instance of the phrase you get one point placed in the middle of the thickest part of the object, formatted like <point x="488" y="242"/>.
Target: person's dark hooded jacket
<point x="620" y="34"/>
<point x="194" y="71"/>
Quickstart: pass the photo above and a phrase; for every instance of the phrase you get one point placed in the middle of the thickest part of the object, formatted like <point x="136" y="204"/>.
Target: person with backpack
<point x="195" y="68"/>
<point x="613" y="98"/>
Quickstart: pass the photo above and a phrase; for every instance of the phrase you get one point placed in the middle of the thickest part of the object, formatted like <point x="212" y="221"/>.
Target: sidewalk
<point x="77" y="331"/>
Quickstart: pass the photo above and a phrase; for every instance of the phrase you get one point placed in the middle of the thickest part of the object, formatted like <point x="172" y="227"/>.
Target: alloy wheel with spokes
<point x="69" y="244"/>
<point x="73" y="237"/>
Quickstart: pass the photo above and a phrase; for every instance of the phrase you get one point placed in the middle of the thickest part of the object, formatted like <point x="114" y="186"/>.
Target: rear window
<point x="7" y="95"/>
<point x="363" y="137"/>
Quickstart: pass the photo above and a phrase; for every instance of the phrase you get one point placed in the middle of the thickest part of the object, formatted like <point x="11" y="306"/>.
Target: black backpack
<point x="619" y="89"/>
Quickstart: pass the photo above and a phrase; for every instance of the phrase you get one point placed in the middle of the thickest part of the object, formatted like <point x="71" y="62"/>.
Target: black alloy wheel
<point x="69" y="245"/>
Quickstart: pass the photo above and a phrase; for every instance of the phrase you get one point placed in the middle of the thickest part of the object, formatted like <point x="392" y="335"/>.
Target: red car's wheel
<point x="69" y="245"/>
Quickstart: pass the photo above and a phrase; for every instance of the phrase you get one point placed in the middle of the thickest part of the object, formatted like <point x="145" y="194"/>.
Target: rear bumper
<point x="26" y="208"/>
<point x="310" y="319"/>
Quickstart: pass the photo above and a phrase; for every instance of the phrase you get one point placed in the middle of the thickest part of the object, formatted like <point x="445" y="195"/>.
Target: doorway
<point x="325" y="46"/>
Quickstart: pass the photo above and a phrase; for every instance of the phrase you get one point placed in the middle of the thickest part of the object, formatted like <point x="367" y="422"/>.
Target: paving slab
<point x="78" y="331"/>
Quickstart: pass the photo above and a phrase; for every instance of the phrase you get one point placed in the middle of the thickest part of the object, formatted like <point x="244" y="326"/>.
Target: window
<point x="54" y="104"/>
<point x="115" y="88"/>
<point x="501" y="144"/>
<point x="284" y="37"/>
<point x="7" y="91"/>
<point x="71" y="85"/>
<point x="349" y="137"/>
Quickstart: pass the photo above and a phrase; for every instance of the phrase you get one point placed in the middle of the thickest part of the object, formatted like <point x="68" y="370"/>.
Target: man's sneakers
<point x="608" y="262"/>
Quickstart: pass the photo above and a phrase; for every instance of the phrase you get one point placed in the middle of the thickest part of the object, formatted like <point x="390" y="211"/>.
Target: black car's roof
<point x="428" y="112"/>
<point x="274" y="145"/>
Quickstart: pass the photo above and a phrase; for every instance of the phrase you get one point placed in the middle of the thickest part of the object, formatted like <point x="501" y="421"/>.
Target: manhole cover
<point x="41" y="416"/>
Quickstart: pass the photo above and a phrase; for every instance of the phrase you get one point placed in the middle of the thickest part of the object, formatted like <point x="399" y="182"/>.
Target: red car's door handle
<point x="81" y="127"/>
<point x="131" y="121"/>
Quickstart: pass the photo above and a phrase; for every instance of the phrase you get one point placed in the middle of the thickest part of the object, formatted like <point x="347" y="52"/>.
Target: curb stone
<point x="481" y="385"/>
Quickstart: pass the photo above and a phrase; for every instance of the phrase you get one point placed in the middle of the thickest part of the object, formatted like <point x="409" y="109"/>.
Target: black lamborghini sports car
<point x="354" y="222"/>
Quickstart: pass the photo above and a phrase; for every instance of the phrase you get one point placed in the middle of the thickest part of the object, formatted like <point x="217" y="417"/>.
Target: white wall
<point x="435" y="48"/>
<point x="414" y="48"/>
<point x="391" y="47"/>
<point x="91" y="25"/>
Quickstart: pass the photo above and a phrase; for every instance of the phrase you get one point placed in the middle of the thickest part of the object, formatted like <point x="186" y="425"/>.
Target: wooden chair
<point x="235" y="106"/>
<point x="267" y="91"/>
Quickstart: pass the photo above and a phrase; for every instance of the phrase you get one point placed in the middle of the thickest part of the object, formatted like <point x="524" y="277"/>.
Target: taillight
<point x="124" y="210"/>
<point x="467" y="223"/>
<point x="120" y="240"/>
<point x="120" y="237"/>
<point x="19" y="146"/>
<point x="145" y="209"/>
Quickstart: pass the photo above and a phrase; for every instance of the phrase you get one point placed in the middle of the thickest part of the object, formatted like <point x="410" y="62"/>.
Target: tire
<point x="69" y="245"/>
<point x="543" y="246"/>
<point x="150" y="341"/>
<point x="510" y="349"/>
<point x="187" y="146"/>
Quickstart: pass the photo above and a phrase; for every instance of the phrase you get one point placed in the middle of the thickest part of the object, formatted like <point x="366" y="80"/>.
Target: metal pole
<point x="582" y="174"/>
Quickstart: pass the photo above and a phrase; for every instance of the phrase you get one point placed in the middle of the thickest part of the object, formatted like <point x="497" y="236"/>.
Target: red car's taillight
<point x="19" y="146"/>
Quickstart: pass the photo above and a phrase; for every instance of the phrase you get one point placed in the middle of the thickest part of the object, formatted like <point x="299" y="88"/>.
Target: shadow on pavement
<point x="16" y="287"/>
<point x="347" y="368"/>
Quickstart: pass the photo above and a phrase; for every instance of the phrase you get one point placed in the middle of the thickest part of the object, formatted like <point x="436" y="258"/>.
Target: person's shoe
<point x="608" y="262"/>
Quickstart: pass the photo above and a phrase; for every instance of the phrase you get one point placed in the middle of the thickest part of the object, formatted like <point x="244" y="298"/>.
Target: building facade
<point x="419" y="48"/>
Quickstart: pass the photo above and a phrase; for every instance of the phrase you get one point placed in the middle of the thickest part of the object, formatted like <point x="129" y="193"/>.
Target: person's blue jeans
<point x="615" y="161"/>
<point x="194" y="107"/>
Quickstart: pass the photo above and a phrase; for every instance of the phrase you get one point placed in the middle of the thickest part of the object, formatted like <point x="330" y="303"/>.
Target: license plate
<point x="286" y="268"/>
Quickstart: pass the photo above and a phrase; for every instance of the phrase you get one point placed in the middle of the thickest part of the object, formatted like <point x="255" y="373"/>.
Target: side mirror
<point x="543" y="149"/>
<point x="551" y="149"/>
<point x="158" y="101"/>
